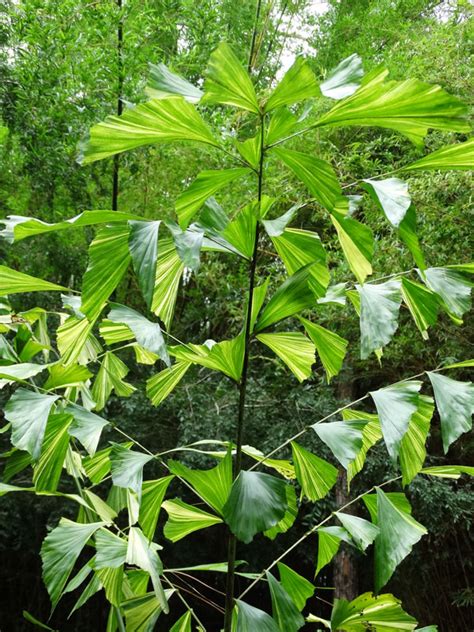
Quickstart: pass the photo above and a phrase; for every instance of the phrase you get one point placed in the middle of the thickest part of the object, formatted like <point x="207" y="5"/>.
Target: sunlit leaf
<point x="316" y="476"/>
<point x="184" y="519"/>
<point x="127" y="467"/>
<point x="183" y="624"/>
<point x="393" y="197"/>
<point x="455" y="403"/>
<point x="142" y="553"/>
<point x="228" y="82"/>
<point x="331" y="348"/>
<point x="162" y="83"/>
<point x="395" y="406"/>
<point x="361" y="531"/>
<point x="110" y="378"/>
<point x="422" y="303"/>
<point x="203" y="187"/>
<point x="14" y="282"/>
<point x="296" y="351"/>
<point x="448" y="471"/>
<point x="457" y="156"/>
<point x="412" y="446"/>
<point x="379" y="307"/>
<point x="168" y="274"/>
<point x="153" y="493"/>
<point x="329" y="540"/>
<point x="19" y="372"/>
<point x="111" y="550"/>
<point x="109" y="257"/>
<point x="315" y="173"/>
<point x="407" y="233"/>
<point x="297" y="84"/>
<point x="357" y="243"/>
<point x="241" y="231"/>
<point x="410" y="107"/>
<point x="343" y="438"/>
<point x="160" y="385"/>
<point x="344" y="79"/>
<point x="86" y="426"/>
<point x="28" y="413"/>
<point x="371" y="434"/>
<point x="47" y="472"/>
<point x="453" y="288"/>
<point x="299" y="588"/>
<point x="156" y="121"/>
<point x="60" y="550"/>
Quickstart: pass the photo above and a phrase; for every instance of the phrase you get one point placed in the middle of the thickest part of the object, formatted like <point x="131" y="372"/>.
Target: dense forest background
<point x="65" y="64"/>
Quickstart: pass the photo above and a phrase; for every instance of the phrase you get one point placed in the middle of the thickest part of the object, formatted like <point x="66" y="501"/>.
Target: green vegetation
<point x="261" y="353"/>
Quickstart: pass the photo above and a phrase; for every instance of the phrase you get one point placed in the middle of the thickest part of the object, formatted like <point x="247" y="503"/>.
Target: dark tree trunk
<point x="344" y="565"/>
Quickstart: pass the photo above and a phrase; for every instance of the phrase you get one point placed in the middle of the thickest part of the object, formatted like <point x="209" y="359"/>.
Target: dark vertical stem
<point x="116" y="166"/>
<point x="232" y="542"/>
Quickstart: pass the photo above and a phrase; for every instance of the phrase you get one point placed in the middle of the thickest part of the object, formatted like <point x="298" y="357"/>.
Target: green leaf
<point x="183" y="624"/>
<point x="203" y="187"/>
<point x="382" y="613"/>
<point x="188" y="244"/>
<point x="111" y="580"/>
<point x="85" y="426"/>
<point x="371" y="434"/>
<point x="19" y="372"/>
<point x="316" y="476"/>
<point x="293" y="296"/>
<point x="60" y="550"/>
<point x="156" y="121"/>
<point x="410" y="107"/>
<point x="147" y="334"/>
<point x="14" y="282"/>
<point x="141" y="613"/>
<point x="160" y="385"/>
<point x="448" y="471"/>
<point x="168" y="274"/>
<point x="18" y="227"/>
<point x="298" y="84"/>
<point x="331" y="348"/>
<point x="250" y="619"/>
<point x="361" y="531"/>
<point x="329" y="540"/>
<point x="357" y="243"/>
<point x="455" y="403"/>
<point x="240" y="233"/>
<point x="282" y="124"/>
<point x="284" y="610"/>
<point x="296" y="351"/>
<point x="316" y="174"/>
<point x="256" y="503"/>
<point x="379" y="308"/>
<point x="392" y="196"/>
<point x="143" y="246"/>
<point x="396" y="498"/>
<point x="162" y="83"/>
<point x="412" y="446"/>
<point x="399" y="532"/>
<point x="343" y="438"/>
<point x="258" y="298"/>
<point x="298" y="248"/>
<point x="422" y="303"/>
<point x="275" y="227"/>
<point x="290" y="514"/>
<point x="453" y="288"/>
<point x="226" y="356"/>
<point x="28" y="617"/>
<point x="110" y="378"/>
<point x="407" y="233"/>
<point x="47" y="472"/>
<point x="75" y="341"/>
<point x="228" y="82"/>
<point x="344" y="79"/>
<point x="184" y="519"/>
<point x="212" y="486"/>
<point x="153" y="493"/>
<point x="299" y="588"/>
<point x="458" y="156"/>
<point x="395" y="406"/>
<point x="108" y="260"/>
<point x="28" y="413"/>
<point x="142" y="553"/>
<point x="111" y="550"/>
<point x="250" y="150"/>
<point x="127" y="467"/>
<point x="61" y="376"/>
